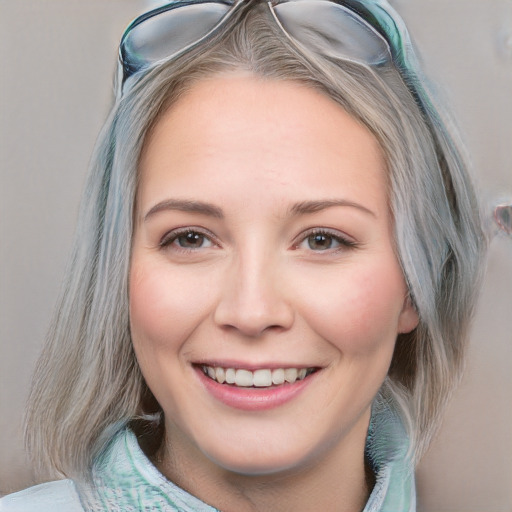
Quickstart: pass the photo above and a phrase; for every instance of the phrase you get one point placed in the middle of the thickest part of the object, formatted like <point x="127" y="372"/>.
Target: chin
<point x="249" y="457"/>
<point x="258" y="465"/>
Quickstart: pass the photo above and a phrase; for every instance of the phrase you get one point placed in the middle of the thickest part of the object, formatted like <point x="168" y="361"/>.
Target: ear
<point x="409" y="318"/>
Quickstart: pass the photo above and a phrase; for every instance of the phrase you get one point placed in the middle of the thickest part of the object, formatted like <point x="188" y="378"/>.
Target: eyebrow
<point x="186" y="205"/>
<point x="305" y="207"/>
<point x="210" y="210"/>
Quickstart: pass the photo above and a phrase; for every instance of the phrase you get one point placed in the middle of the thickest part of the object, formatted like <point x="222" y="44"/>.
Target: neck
<point x="336" y="481"/>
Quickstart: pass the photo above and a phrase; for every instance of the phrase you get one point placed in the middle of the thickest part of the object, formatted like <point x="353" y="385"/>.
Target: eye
<point x="323" y="240"/>
<point x="188" y="239"/>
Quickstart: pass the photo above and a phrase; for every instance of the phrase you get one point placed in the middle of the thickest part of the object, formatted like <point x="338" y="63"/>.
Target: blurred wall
<point x="56" y="62"/>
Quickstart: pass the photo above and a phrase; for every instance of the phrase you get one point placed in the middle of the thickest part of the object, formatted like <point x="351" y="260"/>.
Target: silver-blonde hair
<point x="87" y="384"/>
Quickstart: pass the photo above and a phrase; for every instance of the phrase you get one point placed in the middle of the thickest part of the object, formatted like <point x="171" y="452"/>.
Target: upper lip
<point x="252" y="366"/>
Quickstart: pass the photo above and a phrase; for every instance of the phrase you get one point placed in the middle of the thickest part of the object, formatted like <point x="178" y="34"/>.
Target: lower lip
<point x="254" y="399"/>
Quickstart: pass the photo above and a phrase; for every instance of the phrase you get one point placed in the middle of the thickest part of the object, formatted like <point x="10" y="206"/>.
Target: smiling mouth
<point x="262" y="378"/>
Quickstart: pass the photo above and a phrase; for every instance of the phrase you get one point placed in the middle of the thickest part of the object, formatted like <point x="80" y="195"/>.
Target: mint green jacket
<point x="126" y="481"/>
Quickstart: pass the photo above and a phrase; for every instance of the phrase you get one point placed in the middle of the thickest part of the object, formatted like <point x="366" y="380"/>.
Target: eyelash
<point x="172" y="236"/>
<point x="344" y="242"/>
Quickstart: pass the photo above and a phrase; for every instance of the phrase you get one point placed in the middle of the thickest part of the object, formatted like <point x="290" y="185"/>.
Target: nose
<point x="252" y="301"/>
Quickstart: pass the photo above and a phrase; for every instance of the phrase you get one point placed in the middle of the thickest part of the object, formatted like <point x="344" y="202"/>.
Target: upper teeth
<point x="258" y="378"/>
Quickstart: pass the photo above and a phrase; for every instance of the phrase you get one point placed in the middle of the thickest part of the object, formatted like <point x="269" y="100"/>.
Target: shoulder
<point x="58" y="496"/>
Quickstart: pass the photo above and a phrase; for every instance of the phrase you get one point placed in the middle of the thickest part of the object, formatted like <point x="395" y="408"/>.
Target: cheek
<point x="164" y="308"/>
<point x="358" y="311"/>
<point x="149" y="316"/>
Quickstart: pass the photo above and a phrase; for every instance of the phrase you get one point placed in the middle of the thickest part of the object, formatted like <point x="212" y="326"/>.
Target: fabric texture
<point x="125" y="480"/>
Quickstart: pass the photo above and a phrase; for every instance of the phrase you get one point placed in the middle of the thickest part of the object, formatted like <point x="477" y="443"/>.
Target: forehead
<point x="242" y="131"/>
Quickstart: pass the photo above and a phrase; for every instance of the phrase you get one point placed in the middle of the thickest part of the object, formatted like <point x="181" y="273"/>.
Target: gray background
<point x="56" y="66"/>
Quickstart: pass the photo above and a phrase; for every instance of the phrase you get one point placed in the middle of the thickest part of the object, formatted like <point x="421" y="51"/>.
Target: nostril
<point x="252" y="303"/>
<point x="253" y="330"/>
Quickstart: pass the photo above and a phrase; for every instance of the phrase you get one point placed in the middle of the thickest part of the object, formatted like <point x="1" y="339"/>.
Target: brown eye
<point x="321" y="242"/>
<point x="191" y="240"/>
<point x="186" y="240"/>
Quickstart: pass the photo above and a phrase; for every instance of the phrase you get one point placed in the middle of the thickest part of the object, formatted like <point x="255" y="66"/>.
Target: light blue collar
<point x="127" y="481"/>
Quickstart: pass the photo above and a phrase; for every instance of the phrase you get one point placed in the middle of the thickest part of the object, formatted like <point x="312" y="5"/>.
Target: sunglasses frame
<point x="377" y="15"/>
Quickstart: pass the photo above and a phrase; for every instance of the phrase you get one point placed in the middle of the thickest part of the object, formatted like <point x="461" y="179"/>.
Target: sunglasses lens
<point x="322" y="26"/>
<point x="332" y="30"/>
<point x="167" y="34"/>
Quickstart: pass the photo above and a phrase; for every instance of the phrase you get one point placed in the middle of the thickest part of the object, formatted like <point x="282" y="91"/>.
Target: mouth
<point x="261" y="378"/>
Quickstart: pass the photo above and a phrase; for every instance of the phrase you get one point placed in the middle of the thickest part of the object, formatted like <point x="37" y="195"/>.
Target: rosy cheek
<point x="150" y="313"/>
<point x="165" y="306"/>
<point x="359" y="313"/>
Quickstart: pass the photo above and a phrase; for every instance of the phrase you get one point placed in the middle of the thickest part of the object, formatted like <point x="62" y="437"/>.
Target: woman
<point x="275" y="267"/>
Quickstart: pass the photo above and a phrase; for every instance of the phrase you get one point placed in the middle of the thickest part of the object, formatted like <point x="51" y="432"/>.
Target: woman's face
<point x="262" y="253"/>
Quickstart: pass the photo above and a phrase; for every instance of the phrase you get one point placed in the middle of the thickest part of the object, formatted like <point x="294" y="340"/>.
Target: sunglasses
<point x="367" y="32"/>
